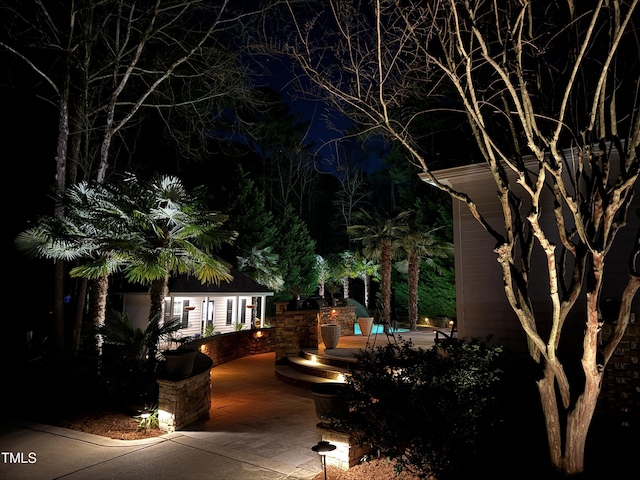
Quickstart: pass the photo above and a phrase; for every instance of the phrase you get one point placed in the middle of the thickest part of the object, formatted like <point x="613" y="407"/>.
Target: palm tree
<point x="137" y="345"/>
<point x="324" y="273"/>
<point x="419" y="244"/>
<point x="149" y="230"/>
<point x="261" y="265"/>
<point x="171" y="231"/>
<point x="366" y="269"/>
<point x="341" y="269"/>
<point x="86" y="234"/>
<point x="380" y="235"/>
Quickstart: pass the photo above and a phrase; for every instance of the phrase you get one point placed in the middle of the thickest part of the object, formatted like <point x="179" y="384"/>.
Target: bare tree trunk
<point x="578" y="422"/>
<point x="58" y="304"/>
<point x="546" y="387"/>
<point x="60" y="179"/>
<point x="80" y="303"/>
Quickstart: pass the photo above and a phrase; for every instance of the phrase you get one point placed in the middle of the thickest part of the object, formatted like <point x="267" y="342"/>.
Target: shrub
<point x="432" y="410"/>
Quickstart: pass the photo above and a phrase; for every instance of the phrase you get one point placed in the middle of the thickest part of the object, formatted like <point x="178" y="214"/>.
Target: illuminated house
<point x="204" y="308"/>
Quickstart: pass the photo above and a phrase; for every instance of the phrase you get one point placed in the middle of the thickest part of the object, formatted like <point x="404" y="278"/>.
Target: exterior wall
<point x="482" y="308"/>
<point x="620" y="396"/>
<point x="136" y="305"/>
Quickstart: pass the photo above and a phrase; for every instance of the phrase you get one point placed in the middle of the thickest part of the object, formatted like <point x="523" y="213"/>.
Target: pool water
<point x="376" y="329"/>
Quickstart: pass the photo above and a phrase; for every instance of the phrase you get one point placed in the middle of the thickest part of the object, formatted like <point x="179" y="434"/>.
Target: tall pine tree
<point x="296" y="250"/>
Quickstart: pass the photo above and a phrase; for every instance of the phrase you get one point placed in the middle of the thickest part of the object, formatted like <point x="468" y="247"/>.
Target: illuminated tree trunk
<point x="98" y="304"/>
<point x="413" y="276"/>
<point x="385" y="281"/>
<point x="157" y="293"/>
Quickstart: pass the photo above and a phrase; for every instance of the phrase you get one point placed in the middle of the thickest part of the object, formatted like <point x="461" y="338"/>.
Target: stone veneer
<point x="343" y="316"/>
<point x="347" y="453"/>
<point x="183" y="402"/>
<point x="298" y="329"/>
<point x="229" y="346"/>
<point x="620" y="395"/>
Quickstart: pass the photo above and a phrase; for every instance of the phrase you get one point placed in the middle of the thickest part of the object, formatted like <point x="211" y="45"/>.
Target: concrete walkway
<point x="259" y="428"/>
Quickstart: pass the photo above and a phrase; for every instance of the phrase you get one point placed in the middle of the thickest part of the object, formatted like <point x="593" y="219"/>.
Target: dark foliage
<point x="128" y="363"/>
<point x="436" y="292"/>
<point x="432" y="410"/>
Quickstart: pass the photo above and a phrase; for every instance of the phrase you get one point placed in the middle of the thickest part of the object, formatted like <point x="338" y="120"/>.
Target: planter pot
<point x="330" y="333"/>
<point x="365" y="324"/>
<point x="180" y="362"/>
<point x="329" y="399"/>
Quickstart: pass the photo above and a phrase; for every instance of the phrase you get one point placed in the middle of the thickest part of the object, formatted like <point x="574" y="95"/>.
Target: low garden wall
<point x="182" y="402"/>
<point x="229" y="346"/>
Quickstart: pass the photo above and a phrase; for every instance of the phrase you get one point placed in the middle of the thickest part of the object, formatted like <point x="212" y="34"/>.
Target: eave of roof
<point x="187" y="284"/>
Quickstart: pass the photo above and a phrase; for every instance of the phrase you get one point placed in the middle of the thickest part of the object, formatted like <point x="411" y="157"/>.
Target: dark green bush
<point x="128" y="363"/>
<point x="432" y="410"/>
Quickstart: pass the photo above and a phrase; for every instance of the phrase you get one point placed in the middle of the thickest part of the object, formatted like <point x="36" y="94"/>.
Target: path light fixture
<point x="144" y="416"/>
<point x="322" y="448"/>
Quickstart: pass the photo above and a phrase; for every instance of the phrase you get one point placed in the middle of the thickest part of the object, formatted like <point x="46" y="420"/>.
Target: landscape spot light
<point x="322" y="448"/>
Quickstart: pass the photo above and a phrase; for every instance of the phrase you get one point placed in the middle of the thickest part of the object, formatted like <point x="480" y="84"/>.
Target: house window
<point x="243" y="311"/>
<point x="180" y="312"/>
<point x="208" y="309"/>
<point x="230" y="311"/>
<point x="167" y="311"/>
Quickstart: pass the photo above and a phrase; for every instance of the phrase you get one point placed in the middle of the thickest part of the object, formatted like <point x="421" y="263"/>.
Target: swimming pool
<point x="377" y="328"/>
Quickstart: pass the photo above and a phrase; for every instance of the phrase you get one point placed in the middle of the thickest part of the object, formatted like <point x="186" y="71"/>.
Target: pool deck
<point x="349" y="345"/>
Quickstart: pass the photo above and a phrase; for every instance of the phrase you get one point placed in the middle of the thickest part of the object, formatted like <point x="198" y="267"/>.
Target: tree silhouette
<point x="548" y="92"/>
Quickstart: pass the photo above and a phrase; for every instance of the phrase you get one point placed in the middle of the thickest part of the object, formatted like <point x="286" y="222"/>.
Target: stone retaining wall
<point x="183" y="402"/>
<point x="230" y="346"/>
<point x="343" y="316"/>
<point x="298" y="329"/>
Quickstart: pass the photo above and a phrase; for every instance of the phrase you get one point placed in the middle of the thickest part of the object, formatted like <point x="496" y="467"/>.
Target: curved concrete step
<point x="310" y="367"/>
<point x="290" y="375"/>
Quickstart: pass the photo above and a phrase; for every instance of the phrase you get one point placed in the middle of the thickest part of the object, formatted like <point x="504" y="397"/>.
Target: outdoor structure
<point x="204" y="308"/>
<point x="481" y="305"/>
<point x="182" y="402"/>
<point x="298" y="329"/>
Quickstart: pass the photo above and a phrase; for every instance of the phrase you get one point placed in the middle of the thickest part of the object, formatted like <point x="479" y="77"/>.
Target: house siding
<point x="482" y="308"/>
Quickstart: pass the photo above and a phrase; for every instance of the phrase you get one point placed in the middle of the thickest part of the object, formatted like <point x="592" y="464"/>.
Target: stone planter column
<point x="182" y="402"/>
